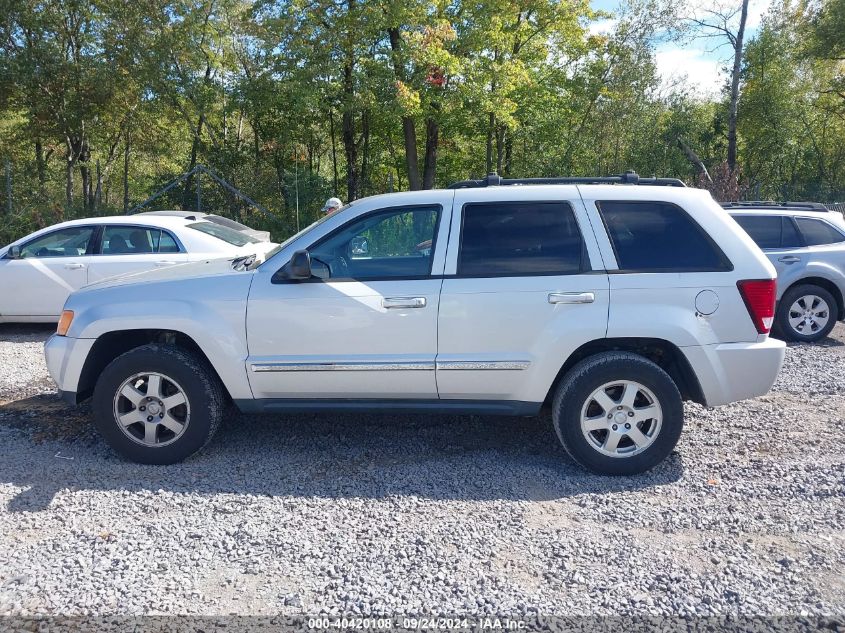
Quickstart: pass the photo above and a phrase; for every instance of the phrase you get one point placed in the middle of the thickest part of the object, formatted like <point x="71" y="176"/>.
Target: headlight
<point x="64" y="322"/>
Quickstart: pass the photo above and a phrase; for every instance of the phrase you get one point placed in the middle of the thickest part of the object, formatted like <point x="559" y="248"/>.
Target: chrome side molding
<point x="452" y="365"/>
<point x="482" y="365"/>
<point x="345" y="366"/>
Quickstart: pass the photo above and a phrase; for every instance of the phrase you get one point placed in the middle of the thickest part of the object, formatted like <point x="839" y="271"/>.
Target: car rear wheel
<point x="806" y="313"/>
<point x="617" y="413"/>
<point x="158" y="404"/>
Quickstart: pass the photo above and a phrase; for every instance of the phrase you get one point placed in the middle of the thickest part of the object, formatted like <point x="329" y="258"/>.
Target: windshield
<point x="230" y="236"/>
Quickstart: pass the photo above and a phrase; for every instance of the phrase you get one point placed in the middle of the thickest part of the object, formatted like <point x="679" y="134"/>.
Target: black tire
<point x="201" y="387"/>
<point x="589" y="375"/>
<point x="785" y="329"/>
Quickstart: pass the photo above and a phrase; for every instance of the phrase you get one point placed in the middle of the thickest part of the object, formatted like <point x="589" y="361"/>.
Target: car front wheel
<point x="158" y="404"/>
<point x="618" y="413"/>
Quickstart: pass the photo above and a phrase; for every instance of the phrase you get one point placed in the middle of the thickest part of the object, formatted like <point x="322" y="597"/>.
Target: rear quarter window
<point x="659" y="237"/>
<point x="818" y="232"/>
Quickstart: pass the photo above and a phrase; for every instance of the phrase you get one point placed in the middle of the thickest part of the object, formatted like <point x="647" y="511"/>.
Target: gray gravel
<point x="425" y="515"/>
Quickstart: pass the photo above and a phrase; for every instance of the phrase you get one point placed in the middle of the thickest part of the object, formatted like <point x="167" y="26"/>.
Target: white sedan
<point x="39" y="271"/>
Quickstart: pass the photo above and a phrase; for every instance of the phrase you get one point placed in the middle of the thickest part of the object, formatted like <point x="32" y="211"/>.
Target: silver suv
<point x="806" y="243"/>
<point x="609" y="301"/>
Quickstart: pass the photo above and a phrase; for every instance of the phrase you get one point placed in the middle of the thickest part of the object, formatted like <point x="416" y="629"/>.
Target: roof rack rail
<point x="770" y="205"/>
<point x="628" y="178"/>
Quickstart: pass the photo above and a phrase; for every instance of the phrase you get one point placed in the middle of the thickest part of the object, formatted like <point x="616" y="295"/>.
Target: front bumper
<point x="65" y="358"/>
<point x="736" y="371"/>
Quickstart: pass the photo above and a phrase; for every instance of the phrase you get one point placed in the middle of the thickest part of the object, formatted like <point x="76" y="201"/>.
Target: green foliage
<point x="292" y="101"/>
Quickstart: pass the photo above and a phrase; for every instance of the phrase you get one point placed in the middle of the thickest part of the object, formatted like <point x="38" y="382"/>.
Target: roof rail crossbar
<point x="628" y="178"/>
<point x="770" y="205"/>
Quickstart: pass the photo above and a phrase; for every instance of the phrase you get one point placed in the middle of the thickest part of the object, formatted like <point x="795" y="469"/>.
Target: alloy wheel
<point x="621" y="418"/>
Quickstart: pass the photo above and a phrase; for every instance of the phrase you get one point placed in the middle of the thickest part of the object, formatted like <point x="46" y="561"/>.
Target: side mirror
<point x="14" y="252"/>
<point x="299" y="266"/>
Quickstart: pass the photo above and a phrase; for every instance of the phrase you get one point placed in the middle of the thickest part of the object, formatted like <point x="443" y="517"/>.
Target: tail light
<point x="759" y="297"/>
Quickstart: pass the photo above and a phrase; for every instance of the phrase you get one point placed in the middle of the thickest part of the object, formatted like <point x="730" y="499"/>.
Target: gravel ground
<point x="425" y="515"/>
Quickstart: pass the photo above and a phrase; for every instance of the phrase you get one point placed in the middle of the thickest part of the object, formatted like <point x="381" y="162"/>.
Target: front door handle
<point x="571" y="297"/>
<point x="403" y="302"/>
<point x="789" y="259"/>
<point x="165" y="263"/>
<point x="74" y="266"/>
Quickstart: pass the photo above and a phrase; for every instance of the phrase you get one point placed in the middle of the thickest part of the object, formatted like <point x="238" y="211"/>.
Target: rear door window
<point x="659" y="237"/>
<point x="818" y="232"/>
<point x="520" y="238"/>
<point x="136" y="240"/>
<point x="765" y="230"/>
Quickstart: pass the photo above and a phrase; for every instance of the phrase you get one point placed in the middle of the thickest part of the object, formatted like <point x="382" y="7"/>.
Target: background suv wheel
<point x="617" y="413"/>
<point x="158" y="404"/>
<point x="806" y="313"/>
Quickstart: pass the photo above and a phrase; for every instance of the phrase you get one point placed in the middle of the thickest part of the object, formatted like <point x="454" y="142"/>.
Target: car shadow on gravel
<point x="469" y="458"/>
<point x="26" y="332"/>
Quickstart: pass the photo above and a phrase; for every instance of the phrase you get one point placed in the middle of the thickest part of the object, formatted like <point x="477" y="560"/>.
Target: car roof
<point x="175" y="213"/>
<point x="750" y="205"/>
<point x="160" y="221"/>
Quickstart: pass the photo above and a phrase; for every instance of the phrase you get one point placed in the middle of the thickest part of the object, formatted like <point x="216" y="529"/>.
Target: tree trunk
<point x="350" y="148"/>
<point x="694" y="159"/>
<point x="500" y="154"/>
<point x="126" y="153"/>
<point x="73" y="148"/>
<point x="508" y="155"/>
<point x="40" y="166"/>
<point x="189" y="181"/>
<point x="334" y="151"/>
<point x="409" y="130"/>
<point x="432" y="137"/>
<point x="491" y="125"/>
<point x="98" y="192"/>
<point x="365" y="154"/>
<point x="737" y="67"/>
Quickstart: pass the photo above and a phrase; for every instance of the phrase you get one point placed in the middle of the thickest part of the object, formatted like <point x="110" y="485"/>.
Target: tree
<point x="726" y="23"/>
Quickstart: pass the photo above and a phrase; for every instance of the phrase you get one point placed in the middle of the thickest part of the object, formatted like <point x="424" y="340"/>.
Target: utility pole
<point x="8" y="186"/>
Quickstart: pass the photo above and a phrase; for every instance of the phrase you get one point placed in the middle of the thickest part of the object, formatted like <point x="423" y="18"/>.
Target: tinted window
<point x="391" y="243"/>
<point x="818" y="232"/>
<point x="167" y="244"/>
<point x="230" y="236"/>
<point x="519" y="238"/>
<point x="790" y="237"/>
<point x="136" y="240"/>
<point x="659" y="236"/>
<point x="70" y="242"/>
<point x="765" y="230"/>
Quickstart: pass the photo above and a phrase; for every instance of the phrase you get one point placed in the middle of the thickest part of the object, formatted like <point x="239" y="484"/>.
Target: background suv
<point x="610" y="303"/>
<point x="806" y="244"/>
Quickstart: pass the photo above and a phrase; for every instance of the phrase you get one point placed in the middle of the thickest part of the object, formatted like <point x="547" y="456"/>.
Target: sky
<point x="695" y="61"/>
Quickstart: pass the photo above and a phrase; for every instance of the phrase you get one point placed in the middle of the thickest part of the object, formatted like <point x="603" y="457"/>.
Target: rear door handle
<point x="165" y="263"/>
<point x="571" y="297"/>
<point x="403" y="302"/>
<point x="789" y="259"/>
<point x="74" y="266"/>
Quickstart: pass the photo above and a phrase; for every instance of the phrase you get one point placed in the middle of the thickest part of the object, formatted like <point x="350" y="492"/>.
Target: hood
<point x="189" y="270"/>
